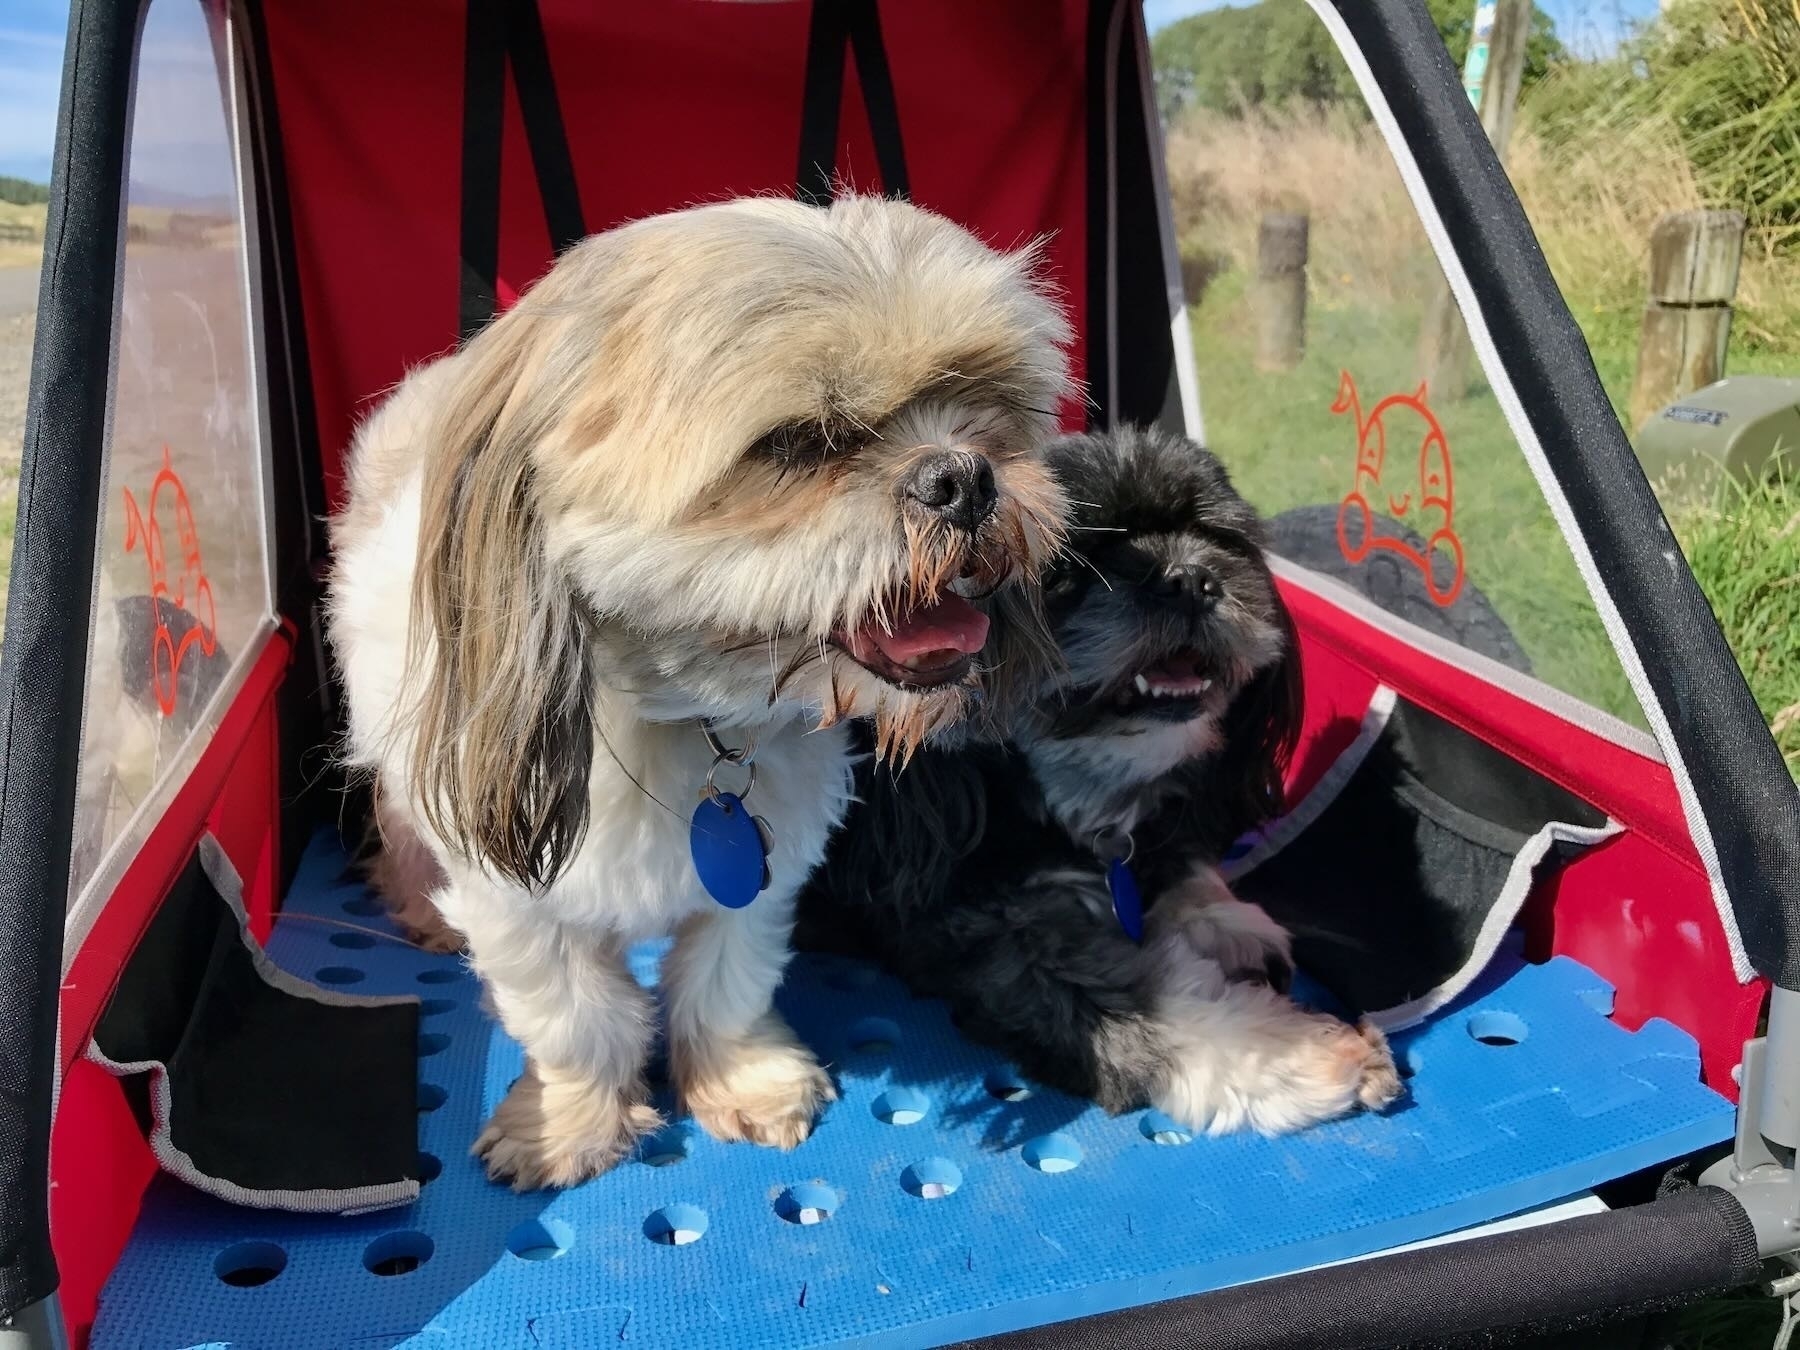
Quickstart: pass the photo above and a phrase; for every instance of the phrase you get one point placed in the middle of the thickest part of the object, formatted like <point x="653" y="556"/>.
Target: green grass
<point x="9" y="511"/>
<point x="1285" y="448"/>
<point x="1746" y="1320"/>
<point x="1745" y="552"/>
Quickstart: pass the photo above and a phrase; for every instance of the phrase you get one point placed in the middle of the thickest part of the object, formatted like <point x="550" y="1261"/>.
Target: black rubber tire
<point x="1307" y="535"/>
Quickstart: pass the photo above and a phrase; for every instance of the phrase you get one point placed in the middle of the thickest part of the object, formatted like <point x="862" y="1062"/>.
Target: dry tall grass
<point x="1591" y="201"/>
<point x="1225" y="172"/>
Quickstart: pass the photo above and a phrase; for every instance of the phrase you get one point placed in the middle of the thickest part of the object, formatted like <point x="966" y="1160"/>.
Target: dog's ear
<point x="914" y="827"/>
<point x="1018" y="661"/>
<point x="1261" y="729"/>
<point x="505" y="735"/>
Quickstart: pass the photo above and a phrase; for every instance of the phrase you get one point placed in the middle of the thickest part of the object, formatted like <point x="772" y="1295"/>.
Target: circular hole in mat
<point x="431" y="1096"/>
<point x="1054" y="1152"/>
<point x="931" y="1178"/>
<point x="436" y="1007"/>
<point x="338" y="975"/>
<point x="1004" y="1084"/>
<point x="1160" y="1129"/>
<point x="429" y="1167"/>
<point x="248" y="1264"/>
<point x="362" y="907"/>
<point x="432" y="1043"/>
<point x="540" y="1239"/>
<point x="397" y="1253"/>
<point x="902" y="1106"/>
<point x="676" y="1225"/>
<point x="439" y="975"/>
<point x="1497" y="1028"/>
<point x="666" y="1147"/>
<point x="808" y="1203"/>
<point x="352" y="942"/>
<point x="874" y="1036"/>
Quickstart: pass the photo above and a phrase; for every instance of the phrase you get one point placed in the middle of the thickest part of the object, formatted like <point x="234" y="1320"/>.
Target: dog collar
<point x="1116" y="847"/>
<point x="729" y="846"/>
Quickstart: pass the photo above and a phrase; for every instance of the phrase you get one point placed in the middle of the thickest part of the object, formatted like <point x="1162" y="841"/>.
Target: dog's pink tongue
<point x="951" y="624"/>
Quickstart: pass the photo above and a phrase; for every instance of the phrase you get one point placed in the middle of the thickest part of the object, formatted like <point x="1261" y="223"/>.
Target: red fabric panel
<point x="1637" y="791"/>
<point x="100" y="1167"/>
<point x="666" y="105"/>
<point x="1637" y="910"/>
<point x="99" y="1162"/>
<point x="1649" y="927"/>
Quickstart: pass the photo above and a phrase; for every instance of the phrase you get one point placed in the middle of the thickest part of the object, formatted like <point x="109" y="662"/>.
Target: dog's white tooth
<point x="1205" y="685"/>
<point x="1143" y="685"/>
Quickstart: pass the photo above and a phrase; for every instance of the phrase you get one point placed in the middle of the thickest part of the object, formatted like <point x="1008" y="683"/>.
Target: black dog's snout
<point x="957" y="486"/>
<point x="1189" y="583"/>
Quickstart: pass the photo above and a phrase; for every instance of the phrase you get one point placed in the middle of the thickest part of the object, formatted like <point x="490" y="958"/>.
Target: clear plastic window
<point x="1329" y="368"/>
<point x="182" y="600"/>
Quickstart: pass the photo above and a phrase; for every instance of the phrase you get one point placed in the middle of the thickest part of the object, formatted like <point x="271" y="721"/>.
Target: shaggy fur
<point x="979" y="876"/>
<point x="677" y="482"/>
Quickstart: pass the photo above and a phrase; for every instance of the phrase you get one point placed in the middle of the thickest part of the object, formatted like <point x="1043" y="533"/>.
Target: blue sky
<point x="31" y="43"/>
<point x="1590" y="27"/>
<point x="31" y="40"/>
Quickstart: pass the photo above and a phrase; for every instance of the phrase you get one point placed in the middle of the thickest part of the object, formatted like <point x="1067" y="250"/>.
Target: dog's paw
<point x="1248" y="945"/>
<point x="1255" y="1061"/>
<point x="424" y="926"/>
<point x="559" y="1132"/>
<point x="1380" y="1083"/>
<point x="764" y="1087"/>
<point x="439" y="938"/>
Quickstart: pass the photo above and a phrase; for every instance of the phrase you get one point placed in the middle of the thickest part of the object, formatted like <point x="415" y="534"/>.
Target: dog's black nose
<point x="1190" y="583"/>
<point x="956" y="485"/>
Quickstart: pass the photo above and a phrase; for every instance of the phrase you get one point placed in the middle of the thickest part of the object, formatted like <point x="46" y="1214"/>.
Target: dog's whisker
<point x="1082" y="559"/>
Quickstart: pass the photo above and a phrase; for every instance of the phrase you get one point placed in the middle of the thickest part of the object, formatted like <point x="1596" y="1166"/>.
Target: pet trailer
<point x="1538" y="829"/>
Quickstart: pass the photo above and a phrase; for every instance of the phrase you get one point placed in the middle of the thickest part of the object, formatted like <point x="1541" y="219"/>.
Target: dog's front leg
<point x="735" y="1063"/>
<point x="1238" y="1052"/>
<point x="567" y="996"/>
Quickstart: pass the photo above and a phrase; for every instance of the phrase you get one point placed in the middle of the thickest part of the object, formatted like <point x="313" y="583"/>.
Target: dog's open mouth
<point x="927" y="646"/>
<point x="1172" y="689"/>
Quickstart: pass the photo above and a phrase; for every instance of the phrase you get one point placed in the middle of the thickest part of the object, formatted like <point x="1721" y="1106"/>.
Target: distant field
<point x="22" y="254"/>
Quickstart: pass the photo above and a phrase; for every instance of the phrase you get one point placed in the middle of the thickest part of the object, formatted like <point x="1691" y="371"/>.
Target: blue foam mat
<point x="851" y="1239"/>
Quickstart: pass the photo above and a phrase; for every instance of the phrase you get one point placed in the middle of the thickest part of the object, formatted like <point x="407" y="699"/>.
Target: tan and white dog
<point x="737" y="469"/>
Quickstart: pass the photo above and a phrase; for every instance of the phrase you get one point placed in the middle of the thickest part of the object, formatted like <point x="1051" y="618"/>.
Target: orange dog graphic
<point x="191" y="591"/>
<point x="1433" y="510"/>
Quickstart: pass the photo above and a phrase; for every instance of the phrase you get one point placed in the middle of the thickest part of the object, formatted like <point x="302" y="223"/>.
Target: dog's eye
<point x="803" y="445"/>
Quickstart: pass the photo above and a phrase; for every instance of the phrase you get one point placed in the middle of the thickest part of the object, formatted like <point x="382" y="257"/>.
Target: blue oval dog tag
<point x="730" y="854"/>
<point x="1128" y="906"/>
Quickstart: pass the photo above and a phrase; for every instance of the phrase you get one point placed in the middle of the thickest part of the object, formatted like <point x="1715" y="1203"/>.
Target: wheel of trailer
<point x="1307" y="535"/>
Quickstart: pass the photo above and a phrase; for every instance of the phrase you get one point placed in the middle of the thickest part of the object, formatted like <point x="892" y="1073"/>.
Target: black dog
<point x="981" y="875"/>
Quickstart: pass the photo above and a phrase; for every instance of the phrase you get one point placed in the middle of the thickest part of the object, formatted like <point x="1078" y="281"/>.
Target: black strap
<point x="544" y="126"/>
<point x="840" y="28"/>
<point x="1101" y="396"/>
<point x="499" y="32"/>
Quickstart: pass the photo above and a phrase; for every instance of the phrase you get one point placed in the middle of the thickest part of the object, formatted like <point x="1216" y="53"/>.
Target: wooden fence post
<point x="1280" y="298"/>
<point x="1446" y="362"/>
<point x="1694" y="260"/>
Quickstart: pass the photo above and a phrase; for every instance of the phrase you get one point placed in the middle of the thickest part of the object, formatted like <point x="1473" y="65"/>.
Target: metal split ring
<point x="1113" y="832"/>
<point x="738" y="759"/>
<point x="744" y="755"/>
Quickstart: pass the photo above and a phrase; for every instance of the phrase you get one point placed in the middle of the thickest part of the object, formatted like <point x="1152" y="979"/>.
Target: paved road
<point x="18" y="291"/>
